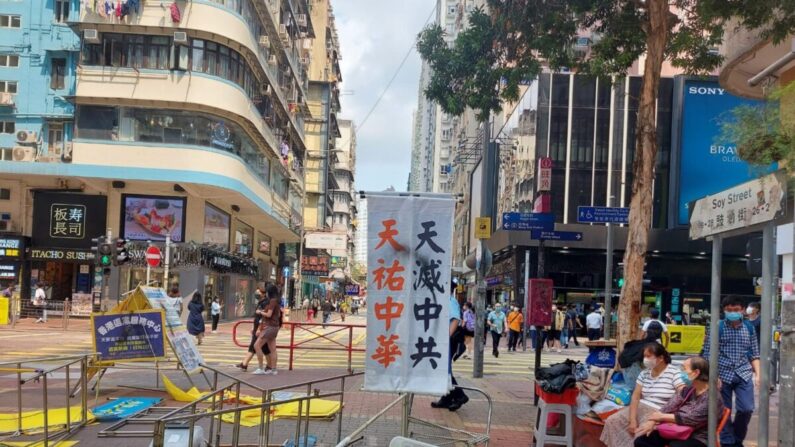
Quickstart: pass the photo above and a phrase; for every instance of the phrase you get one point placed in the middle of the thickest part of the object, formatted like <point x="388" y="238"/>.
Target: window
<point x="9" y="60"/>
<point x="8" y="86"/>
<point x="5" y="194"/>
<point x="9" y="21"/>
<point x="61" y="11"/>
<point x="7" y="127"/>
<point x="180" y="55"/>
<point x="55" y="138"/>
<point x="134" y="51"/>
<point x="158" y="49"/>
<point x="57" y="73"/>
<point x="197" y="64"/>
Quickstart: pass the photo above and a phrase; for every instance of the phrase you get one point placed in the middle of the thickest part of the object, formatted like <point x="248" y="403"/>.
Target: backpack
<point x="654" y="331"/>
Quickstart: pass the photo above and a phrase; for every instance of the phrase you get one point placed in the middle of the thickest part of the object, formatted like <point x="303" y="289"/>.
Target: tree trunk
<point x="640" y="214"/>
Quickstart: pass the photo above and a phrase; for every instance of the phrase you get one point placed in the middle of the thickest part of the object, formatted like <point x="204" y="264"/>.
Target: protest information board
<point x="409" y="240"/>
<point x="186" y="351"/>
<point x="128" y="336"/>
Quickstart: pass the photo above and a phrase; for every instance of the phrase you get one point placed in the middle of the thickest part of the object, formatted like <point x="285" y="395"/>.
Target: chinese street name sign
<point x="602" y="214"/>
<point x="409" y="242"/>
<point x="129" y="336"/>
<point x="744" y="205"/>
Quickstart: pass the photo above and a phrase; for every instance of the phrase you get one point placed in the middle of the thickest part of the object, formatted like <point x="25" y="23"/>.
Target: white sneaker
<point x="39" y="320"/>
<point x="215" y="332"/>
<point x="271" y="372"/>
<point x="259" y="372"/>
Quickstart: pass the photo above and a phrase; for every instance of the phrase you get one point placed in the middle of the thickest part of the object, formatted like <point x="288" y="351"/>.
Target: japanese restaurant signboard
<point x="747" y="204"/>
<point x="409" y="242"/>
<point x="66" y="221"/>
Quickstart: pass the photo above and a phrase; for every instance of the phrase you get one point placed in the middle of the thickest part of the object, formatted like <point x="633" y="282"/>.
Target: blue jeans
<point x="564" y="337"/>
<point x="735" y="430"/>
<point x="532" y="338"/>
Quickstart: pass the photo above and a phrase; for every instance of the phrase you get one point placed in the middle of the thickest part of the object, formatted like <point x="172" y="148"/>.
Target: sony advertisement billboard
<point x="706" y="164"/>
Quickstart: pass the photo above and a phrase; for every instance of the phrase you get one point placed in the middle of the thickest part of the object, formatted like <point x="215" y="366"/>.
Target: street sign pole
<point x="717" y="259"/>
<point x="609" y="277"/>
<point x="766" y="329"/>
<point x="148" y="267"/>
<point x="526" y="295"/>
<point x="166" y="262"/>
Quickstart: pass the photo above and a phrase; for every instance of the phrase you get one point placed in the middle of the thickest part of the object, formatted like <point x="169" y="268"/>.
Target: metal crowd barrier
<point x="35" y="375"/>
<point x="311" y="328"/>
<point x="54" y="313"/>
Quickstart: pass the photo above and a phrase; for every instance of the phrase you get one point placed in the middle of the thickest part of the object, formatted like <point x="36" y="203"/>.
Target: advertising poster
<point x="409" y="248"/>
<point x="152" y="218"/>
<point x="315" y="265"/>
<point x="708" y="165"/>
<point x="352" y="289"/>
<point x="186" y="351"/>
<point x="129" y="336"/>
<point x="539" y="312"/>
<point x="264" y="245"/>
<point x="217" y="226"/>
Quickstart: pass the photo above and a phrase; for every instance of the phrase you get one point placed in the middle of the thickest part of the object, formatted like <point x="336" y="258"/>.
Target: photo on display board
<point x="152" y="218"/>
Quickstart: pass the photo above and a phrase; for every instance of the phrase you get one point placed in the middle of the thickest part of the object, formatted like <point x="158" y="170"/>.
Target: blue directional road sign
<point x="602" y="214"/>
<point x="528" y="221"/>
<point x="556" y="235"/>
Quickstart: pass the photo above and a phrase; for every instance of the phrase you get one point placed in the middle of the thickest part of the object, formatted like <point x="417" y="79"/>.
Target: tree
<point x="510" y="45"/>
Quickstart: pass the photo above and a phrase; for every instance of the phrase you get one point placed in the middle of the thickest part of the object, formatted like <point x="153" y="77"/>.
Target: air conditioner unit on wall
<point x="180" y="37"/>
<point x="301" y="20"/>
<point x="26" y="136"/>
<point x="6" y="99"/>
<point x="24" y="153"/>
<point x="91" y="36"/>
<point x="266" y="89"/>
<point x="66" y="155"/>
<point x="264" y="41"/>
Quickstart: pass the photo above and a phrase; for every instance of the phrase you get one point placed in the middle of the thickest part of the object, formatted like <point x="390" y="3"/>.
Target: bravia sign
<point x="65" y="220"/>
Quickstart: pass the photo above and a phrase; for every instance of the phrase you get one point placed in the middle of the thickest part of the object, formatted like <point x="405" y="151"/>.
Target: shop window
<point x="61" y="10"/>
<point x="9" y="60"/>
<point x="57" y="73"/>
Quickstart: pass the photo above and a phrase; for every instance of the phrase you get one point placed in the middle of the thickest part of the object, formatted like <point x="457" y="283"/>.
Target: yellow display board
<point x="686" y="339"/>
<point x="4" y="303"/>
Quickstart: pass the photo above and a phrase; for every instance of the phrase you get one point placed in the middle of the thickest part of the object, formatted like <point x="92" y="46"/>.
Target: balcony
<point x="746" y="54"/>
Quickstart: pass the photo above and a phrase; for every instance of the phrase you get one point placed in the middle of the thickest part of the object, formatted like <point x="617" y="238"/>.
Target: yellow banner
<point x="4" y="307"/>
<point x="686" y="339"/>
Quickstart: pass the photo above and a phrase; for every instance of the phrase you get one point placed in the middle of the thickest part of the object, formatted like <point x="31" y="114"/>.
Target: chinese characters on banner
<point x="128" y="336"/>
<point x="539" y="312"/>
<point x="67" y="221"/>
<point x="409" y="262"/>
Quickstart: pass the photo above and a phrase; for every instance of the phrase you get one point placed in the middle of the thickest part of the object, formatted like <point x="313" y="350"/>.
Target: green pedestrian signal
<point x="105" y="254"/>
<point x="620" y="282"/>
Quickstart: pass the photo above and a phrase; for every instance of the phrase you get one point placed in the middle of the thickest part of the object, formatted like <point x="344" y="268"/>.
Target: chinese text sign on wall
<point x="409" y="243"/>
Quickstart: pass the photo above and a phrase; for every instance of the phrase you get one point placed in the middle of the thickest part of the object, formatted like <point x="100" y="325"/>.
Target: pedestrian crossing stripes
<point x="220" y="350"/>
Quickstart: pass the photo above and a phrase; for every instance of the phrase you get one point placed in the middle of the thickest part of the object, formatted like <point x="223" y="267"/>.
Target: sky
<point x="374" y="38"/>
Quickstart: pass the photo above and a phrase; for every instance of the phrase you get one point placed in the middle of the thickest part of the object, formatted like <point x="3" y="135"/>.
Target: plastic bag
<point x="619" y="393"/>
<point x="583" y="404"/>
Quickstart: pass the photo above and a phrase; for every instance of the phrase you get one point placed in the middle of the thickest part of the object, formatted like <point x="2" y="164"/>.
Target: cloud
<point x="374" y="36"/>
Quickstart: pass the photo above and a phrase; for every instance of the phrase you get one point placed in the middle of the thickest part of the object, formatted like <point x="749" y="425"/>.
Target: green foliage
<point x="487" y="63"/>
<point x="759" y="133"/>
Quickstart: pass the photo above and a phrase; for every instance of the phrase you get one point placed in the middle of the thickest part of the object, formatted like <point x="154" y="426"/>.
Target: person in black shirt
<point x="260" y="309"/>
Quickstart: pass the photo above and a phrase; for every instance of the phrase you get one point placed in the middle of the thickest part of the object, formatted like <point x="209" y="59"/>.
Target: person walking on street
<point x="594" y="324"/>
<point x="656" y="330"/>
<point x="262" y="301"/>
<point x="268" y="330"/>
<point x="215" y="313"/>
<point x="572" y="323"/>
<point x="40" y="302"/>
<point x="456" y="398"/>
<point x="195" y="318"/>
<point x="515" y="320"/>
<point x="498" y="327"/>
<point x="738" y="369"/>
<point x="469" y="329"/>
<point x="328" y="308"/>
<point x="752" y="311"/>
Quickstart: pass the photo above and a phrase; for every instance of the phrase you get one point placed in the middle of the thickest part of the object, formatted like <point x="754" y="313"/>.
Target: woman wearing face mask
<point x="655" y="387"/>
<point x="688" y="408"/>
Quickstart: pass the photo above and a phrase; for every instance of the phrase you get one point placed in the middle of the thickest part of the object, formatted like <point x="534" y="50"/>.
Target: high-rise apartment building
<point x="188" y="124"/>
<point x="345" y="212"/>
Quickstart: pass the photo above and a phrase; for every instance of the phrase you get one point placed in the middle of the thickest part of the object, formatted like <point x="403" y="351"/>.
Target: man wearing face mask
<point x="738" y="369"/>
<point x="752" y="311"/>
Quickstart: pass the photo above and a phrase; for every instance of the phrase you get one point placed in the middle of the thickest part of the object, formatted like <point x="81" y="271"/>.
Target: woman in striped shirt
<point x="656" y="385"/>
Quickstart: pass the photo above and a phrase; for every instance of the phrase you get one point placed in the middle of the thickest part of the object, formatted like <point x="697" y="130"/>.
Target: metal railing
<point x="315" y="335"/>
<point x="461" y="436"/>
<point x="35" y="375"/>
<point x="53" y="314"/>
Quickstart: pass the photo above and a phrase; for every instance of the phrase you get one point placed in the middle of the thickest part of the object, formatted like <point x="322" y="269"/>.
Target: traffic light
<point x="122" y="256"/>
<point x="620" y="276"/>
<point x="105" y="254"/>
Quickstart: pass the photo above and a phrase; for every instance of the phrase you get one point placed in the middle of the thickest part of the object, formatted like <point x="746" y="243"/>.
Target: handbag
<point x="677" y="432"/>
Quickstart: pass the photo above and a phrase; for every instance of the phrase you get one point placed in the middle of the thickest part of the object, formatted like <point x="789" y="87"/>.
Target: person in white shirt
<point x="215" y="313"/>
<point x="656" y="330"/>
<point x="40" y="301"/>
<point x="594" y="324"/>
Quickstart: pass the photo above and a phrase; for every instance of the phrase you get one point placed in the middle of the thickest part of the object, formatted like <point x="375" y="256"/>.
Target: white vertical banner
<point x="409" y="262"/>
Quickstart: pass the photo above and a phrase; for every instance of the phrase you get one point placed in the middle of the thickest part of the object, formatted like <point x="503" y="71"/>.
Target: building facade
<point x="188" y="124"/>
<point x="345" y="212"/>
